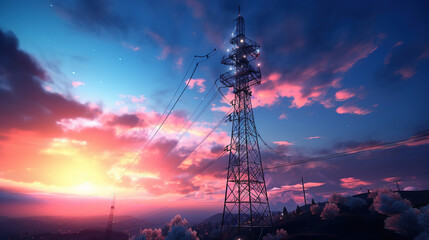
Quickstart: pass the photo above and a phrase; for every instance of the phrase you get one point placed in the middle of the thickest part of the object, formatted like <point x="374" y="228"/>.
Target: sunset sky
<point x="84" y="83"/>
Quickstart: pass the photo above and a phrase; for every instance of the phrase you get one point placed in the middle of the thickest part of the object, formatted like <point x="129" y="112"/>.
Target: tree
<point x="285" y="212"/>
<point x="298" y="210"/>
<point x="312" y="202"/>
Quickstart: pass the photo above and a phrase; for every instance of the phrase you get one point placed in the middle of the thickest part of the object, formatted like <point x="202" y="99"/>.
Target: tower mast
<point x="303" y="190"/>
<point x="246" y="208"/>
<point x="108" y="233"/>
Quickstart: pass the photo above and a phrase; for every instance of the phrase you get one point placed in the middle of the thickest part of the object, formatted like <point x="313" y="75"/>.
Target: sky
<point x="83" y="85"/>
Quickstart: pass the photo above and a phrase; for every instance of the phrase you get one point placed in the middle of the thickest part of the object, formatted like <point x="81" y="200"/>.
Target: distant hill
<point x="348" y="225"/>
<point x="82" y="235"/>
<point x="65" y="225"/>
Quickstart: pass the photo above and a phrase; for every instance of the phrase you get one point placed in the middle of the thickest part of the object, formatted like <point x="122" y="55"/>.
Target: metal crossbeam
<point x="246" y="208"/>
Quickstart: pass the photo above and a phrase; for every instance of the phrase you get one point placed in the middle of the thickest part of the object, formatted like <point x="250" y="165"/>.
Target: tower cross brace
<point x="246" y="209"/>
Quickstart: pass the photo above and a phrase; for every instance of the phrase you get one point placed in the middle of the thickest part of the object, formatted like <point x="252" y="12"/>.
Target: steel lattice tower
<point x="108" y="233"/>
<point x="246" y="209"/>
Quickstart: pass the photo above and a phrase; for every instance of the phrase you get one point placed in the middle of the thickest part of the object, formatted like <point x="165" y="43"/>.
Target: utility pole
<point x="108" y="233"/>
<point x="303" y="190"/>
<point x="246" y="209"/>
<point x="397" y="185"/>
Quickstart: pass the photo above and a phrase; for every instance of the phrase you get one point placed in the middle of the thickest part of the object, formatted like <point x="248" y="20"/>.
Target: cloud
<point x="132" y="98"/>
<point x="295" y="187"/>
<point x="25" y="104"/>
<point x="161" y="42"/>
<point x="93" y="16"/>
<point x="77" y="84"/>
<point x="8" y="196"/>
<point x="354" y="146"/>
<point x="350" y="109"/>
<point x="129" y="120"/>
<point x="310" y="59"/>
<point x="343" y="95"/>
<point x="352" y="182"/>
<point x="406" y="73"/>
<point x="315" y="137"/>
<point x="283" y="116"/>
<point x="179" y="63"/>
<point x="283" y="143"/>
<point x="197" y="82"/>
<point x="130" y="46"/>
<point x="224" y="109"/>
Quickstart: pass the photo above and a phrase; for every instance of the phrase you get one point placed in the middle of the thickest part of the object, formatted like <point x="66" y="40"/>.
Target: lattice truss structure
<point x="246" y="201"/>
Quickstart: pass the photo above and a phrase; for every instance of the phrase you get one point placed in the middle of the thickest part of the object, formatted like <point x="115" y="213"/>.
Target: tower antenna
<point x="303" y="190"/>
<point x="108" y="233"/>
<point x="246" y="211"/>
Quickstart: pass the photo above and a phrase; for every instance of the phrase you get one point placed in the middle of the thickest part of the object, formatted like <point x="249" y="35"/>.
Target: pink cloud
<point x="129" y="46"/>
<point x="343" y="95"/>
<point x="416" y="140"/>
<point x="77" y="84"/>
<point x="283" y="116"/>
<point x="355" y="54"/>
<point x="295" y="187"/>
<point x="179" y="63"/>
<point x="165" y="52"/>
<point x="166" y="49"/>
<point x="132" y="98"/>
<point x="276" y="89"/>
<point x="352" y="182"/>
<point x="390" y="179"/>
<point x="224" y="109"/>
<point x="398" y="44"/>
<point x="348" y="109"/>
<point x="197" y="82"/>
<point x="197" y="7"/>
<point x="406" y="72"/>
<point x="283" y="143"/>
<point x="315" y="137"/>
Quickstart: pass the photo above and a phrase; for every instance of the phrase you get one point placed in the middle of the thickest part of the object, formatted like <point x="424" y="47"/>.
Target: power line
<point x="172" y="98"/>
<point x="193" y="113"/>
<point x="183" y="91"/>
<point x="207" y="56"/>
<point x="351" y="152"/>
<point x="272" y="149"/>
<point x="213" y="129"/>
<point x="205" y="167"/>
<point x="192" y="123"/>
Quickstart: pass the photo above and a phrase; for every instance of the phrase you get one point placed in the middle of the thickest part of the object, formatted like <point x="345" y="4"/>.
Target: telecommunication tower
<point x="108" y="233"/>
<point x="246" y="209"/>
